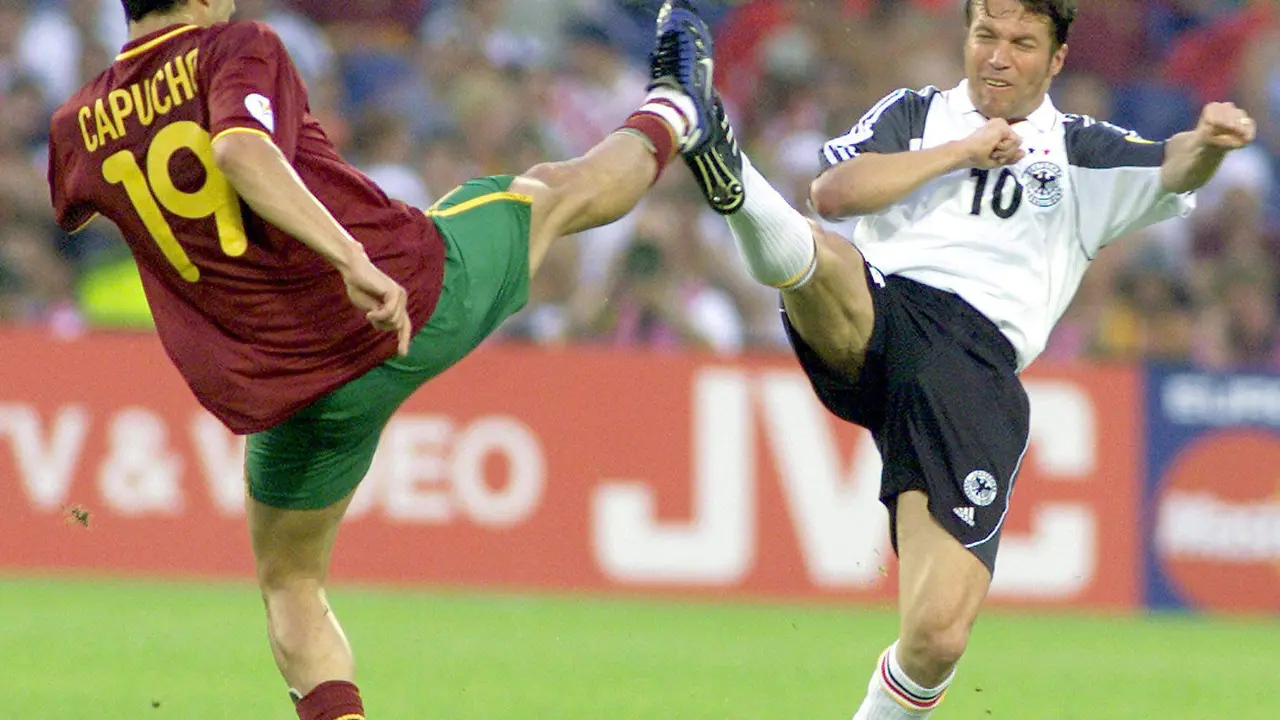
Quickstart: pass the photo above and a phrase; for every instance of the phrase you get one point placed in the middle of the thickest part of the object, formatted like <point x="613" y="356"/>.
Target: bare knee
<point x="563" y="196"/>
<point x="295" y="608"/>
<point x="941" y="589"/>
<point x="281" y="580"/>
<point x="552" y="175"/>
<point x="931" y="646"/>
<point x="555" y="184"/>
<point x="293" y="596"/>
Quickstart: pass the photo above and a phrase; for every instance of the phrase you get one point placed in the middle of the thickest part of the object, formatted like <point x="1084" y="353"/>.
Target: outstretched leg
<point x="595" y="189"/>
<point x="822" y="277"/>
<point x="606" y="183"/>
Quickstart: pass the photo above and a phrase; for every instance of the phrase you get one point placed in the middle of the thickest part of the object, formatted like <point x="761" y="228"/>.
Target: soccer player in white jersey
<point x="981" y="207"/>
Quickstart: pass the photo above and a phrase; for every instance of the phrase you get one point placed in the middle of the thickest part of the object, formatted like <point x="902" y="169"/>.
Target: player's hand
<point x="1225" y="126"/>
<point x="993" y="145"/>
<point x="382" y="299"/>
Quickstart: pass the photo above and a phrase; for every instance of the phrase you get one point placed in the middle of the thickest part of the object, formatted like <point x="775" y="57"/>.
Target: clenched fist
<point x="993" y="145"/>
<point x="1225" y="126"/>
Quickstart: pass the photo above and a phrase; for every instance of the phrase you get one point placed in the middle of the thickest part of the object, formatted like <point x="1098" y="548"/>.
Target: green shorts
<point x="320" y="454"/>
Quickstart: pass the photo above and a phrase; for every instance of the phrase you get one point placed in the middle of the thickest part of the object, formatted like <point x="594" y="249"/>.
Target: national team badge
<point x="981" y="488"/>
<point x="260" y="108"/>
<point x="1043" y="183"/>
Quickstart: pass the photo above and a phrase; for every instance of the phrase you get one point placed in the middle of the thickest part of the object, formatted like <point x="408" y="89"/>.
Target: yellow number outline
<point x="155" y="188"/>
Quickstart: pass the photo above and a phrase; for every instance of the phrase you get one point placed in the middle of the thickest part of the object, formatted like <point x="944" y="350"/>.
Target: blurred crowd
<point x="422" y="94"/>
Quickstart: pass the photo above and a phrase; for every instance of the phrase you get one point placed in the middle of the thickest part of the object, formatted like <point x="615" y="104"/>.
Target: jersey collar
<point x="1042" y="119"/>
<point x="136" y="47"/>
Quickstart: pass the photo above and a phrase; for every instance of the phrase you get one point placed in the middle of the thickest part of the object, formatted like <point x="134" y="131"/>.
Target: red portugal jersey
<point x="258" y="324"/>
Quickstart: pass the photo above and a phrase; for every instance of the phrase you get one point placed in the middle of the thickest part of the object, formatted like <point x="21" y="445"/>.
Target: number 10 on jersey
<point x="1003" y="207"/>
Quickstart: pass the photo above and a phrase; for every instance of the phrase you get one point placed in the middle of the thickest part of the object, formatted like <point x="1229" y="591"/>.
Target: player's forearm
<point x="266" y="181"/>
<point x="869" y="183"/>
<point x="1189" y="162"/>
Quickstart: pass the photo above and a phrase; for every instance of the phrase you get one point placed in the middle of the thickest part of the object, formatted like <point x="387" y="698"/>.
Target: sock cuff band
<point x="908" y="693"/>
<point x="803" y="276"/>
<point x="656" y="132"/>
<point x="331" y="700"/>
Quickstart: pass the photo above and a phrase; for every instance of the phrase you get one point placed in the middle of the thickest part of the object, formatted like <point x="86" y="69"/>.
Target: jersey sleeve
<point x="1116" y="174"/>
<point x="252" y="85"/>
<point x="888" y="127"/>
<point x="69" y="214"/>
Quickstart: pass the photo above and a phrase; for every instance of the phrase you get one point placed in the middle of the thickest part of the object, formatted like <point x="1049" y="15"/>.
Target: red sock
<point x="331" y="700"/>
<point x="660" y="136"/>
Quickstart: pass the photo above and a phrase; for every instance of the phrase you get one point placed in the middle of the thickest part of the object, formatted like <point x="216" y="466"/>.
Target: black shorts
<point x="940" y="393"/>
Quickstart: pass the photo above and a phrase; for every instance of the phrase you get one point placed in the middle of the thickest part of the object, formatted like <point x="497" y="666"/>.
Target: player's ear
<point x="1058" y="60"/>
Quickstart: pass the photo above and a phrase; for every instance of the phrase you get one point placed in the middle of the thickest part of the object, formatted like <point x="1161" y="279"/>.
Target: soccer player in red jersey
<point x="301" y="305"/>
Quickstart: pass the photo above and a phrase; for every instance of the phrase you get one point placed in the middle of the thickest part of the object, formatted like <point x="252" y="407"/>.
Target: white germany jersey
<point x="1013" y="242"/>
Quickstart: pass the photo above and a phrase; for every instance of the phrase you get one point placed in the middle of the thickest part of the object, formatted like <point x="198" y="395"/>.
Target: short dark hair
<point x="138" y="9"/>
<point x="1061" y="14"/>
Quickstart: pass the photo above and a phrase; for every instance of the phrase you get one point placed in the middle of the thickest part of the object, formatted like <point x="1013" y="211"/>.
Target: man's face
<point x="1009" y="58"/>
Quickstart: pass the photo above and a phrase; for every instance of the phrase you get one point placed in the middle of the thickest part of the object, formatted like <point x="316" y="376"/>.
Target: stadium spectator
<point x="382" y="147"/>
<point x="354" y="20"/>
<point x="35" y="285"/>
<point x="23" y="127"/>
<point x="656" y="297"/>
<point x="480" y="26"/>
<point x="12" y="19"/>
<point x="593" y="88"/>
<point x="307" y="43"/>
<point x="70" y="26"/>
<point x="1243" y="326"/>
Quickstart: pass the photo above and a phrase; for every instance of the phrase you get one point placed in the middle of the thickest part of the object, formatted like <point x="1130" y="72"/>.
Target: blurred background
<point x="422" y="94"/>
<point x="640" y="429"/>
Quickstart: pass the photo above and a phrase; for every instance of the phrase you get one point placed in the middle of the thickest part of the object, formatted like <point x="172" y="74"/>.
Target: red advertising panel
<point x="592" y="470"/>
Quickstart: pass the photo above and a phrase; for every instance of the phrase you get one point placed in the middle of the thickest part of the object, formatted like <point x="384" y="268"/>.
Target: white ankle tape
<point x="677" y="110"/>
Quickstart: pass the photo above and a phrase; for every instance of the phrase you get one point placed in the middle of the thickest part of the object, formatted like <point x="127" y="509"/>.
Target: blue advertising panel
<point x="1211" y="509"/>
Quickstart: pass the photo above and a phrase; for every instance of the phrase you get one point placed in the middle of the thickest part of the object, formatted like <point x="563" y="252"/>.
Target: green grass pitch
<point x="115" y="649"/>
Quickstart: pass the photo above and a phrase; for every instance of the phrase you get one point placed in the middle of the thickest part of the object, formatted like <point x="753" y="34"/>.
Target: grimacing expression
<point x="1010" y="57"/>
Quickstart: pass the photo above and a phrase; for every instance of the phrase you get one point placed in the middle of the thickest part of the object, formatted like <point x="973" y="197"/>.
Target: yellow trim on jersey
<point x="152" y="43"/>
<point x="85" y="224"/>
<point x="229" y="131"/>
<point x="476" y="202"/>
<point x="436" y="205"/>
<point x="354" y="716"/>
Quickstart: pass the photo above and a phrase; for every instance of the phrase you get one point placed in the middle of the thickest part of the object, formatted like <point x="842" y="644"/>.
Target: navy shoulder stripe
<point x="888" y="127"/>
<point x="1100" y="145"/>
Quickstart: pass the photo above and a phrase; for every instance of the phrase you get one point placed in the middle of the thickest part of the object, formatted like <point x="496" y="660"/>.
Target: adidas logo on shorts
<point x="965" y="514"/>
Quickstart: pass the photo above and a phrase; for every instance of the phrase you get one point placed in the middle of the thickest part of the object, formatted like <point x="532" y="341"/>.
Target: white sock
<point x="891" y="695"/>
<point x="774" y="239"/>
<point x="678" y="111"/>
